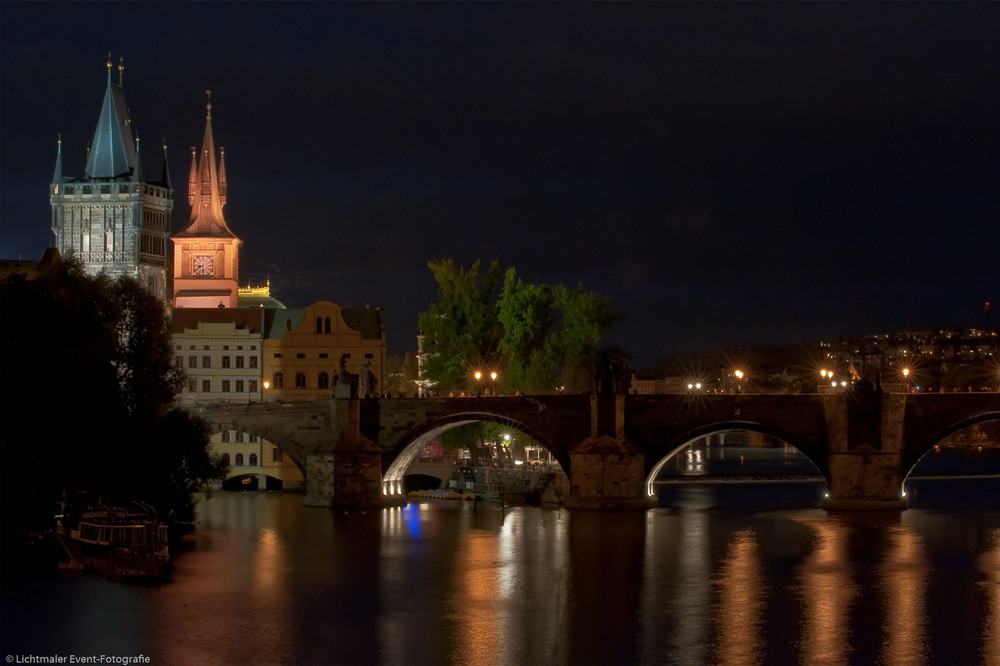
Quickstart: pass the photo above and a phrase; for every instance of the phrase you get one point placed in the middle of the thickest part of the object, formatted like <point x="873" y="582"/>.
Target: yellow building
<point x="307" y="350"/>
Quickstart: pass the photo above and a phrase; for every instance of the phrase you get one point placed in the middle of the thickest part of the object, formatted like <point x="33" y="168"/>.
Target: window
<point x="240" y="361"/>
<point x="278" y="355"/>
<point x="225" y="459"/>
<point x="324" y="355"/>
<point x="206" y="361"/>
<point x="241" y="436"/>
<point x="225" y="361"/>
<point x="226" y="437"/>
<point x="206" y="386"/>
<point x="253" y="460"/>
<point x="239" y="460"/>
<point x="276" y="455"/>
<point x="192" y="361"/>
<point x="253" y="361"/>
<point x="226" y="386"/>
<point x="179" y="361"/>
<point x="239" y="347"/>
<point x="324" y="380"/>
<point x="225" y="346"/>
<point x="239" y="386"/>
<point x="279" y="381"/>
<point x="253" y="386"/>
<point x="192" y="385"/>
<point x="300" y="380"/>
<point x="300" y="356"/>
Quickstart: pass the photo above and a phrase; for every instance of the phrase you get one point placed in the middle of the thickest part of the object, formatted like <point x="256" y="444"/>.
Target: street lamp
<point x="493" y="376"/>
<point x="267" y="385"/>
<point x="739" y="376"/>
<point x="906" y="378"/>
<point x="478" y="376"/>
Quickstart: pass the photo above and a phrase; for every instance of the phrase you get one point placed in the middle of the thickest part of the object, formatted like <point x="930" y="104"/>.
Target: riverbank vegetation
<point x="87" y="400"/>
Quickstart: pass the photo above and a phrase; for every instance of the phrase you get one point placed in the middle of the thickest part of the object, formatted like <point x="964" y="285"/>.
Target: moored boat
<point x="124" y="544"/>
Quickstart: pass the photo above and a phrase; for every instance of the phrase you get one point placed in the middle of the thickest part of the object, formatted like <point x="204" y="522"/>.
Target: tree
<point x="461" y="330"/>
<point x="86" y="402"/>
<point x="537" y="336"/>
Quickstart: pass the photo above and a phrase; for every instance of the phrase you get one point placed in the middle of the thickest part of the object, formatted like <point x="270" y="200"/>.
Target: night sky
<point x="728" y="174"/>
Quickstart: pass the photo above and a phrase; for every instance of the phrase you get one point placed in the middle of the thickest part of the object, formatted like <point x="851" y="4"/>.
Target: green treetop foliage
<point x="87" y="397"/>
<point x="536" y="336"/>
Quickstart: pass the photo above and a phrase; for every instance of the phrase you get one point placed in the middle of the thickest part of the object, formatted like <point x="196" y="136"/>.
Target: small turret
<point x="57" y="175"/>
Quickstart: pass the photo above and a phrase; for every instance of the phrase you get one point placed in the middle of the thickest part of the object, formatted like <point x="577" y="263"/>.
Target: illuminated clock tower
<point x="206" y="253"/>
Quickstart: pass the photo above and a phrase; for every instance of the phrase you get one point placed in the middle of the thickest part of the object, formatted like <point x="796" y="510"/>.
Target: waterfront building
<point x="220" y="351"/>
<point x="112" y="218"/>
<point x="206" y="252"/>
<point x="306" y="350"/>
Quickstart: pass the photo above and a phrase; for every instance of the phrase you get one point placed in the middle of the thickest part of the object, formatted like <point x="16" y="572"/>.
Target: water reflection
<point x="268" y="581"/>
<point x="740" y="605"/>
<point x="902" y="579"/>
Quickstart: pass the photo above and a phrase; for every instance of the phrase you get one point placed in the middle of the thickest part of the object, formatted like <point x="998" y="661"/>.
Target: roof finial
<point x="121" y="69"/>
<point x="108" y="65"/>
<point x="209" y="93"/>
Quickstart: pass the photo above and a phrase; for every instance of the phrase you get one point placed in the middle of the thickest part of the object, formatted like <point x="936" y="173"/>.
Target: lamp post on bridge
<point x="267" y="385"/>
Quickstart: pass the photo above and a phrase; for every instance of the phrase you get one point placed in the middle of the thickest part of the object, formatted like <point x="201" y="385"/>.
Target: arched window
<point x="279" y="380"/>
<point x="324" y="380"/>
<point x="239" y="460"/>
<point x="225" y="459"/>
<point x="319" y="325"/>
<point x="225" y="437"/>
<point x="253" y="460"/>
<point x="300" y="380"/>
<point x="326" y="325"/>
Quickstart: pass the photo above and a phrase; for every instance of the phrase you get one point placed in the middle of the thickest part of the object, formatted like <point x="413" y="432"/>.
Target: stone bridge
<point x="355" y="452"/>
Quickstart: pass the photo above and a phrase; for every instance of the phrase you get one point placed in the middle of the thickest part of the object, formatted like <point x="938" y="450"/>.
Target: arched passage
<point x="960" y="467"/>
<point x="272" y="464"/>
<point x="412" y="444"/>
<point x="701" y="464"/>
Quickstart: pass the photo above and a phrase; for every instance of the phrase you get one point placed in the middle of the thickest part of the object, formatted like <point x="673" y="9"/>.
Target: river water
<point x="720" y="574"/>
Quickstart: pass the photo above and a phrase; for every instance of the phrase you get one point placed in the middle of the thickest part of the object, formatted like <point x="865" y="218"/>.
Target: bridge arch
<point x="677" y="444"/>
<point x="255" y="460"/>
<point x="919" y="446"/>
<point x="414" y="441"/>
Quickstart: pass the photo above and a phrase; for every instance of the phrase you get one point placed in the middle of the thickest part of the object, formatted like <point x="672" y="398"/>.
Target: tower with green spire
<point x="112" y="218"/>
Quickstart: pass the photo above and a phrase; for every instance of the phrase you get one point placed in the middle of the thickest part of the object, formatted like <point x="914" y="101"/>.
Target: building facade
<point x="221" y="351"/>
<point x="308" y="350"/>
<point x="112" y="218"/>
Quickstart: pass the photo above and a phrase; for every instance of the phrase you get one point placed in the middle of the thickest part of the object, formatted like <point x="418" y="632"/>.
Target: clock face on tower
<point x="204" y="265"/>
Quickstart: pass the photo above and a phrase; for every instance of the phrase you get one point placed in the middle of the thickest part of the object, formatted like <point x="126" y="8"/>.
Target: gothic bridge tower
<point x="206" y="252"/>
<point x="112" y="218"/>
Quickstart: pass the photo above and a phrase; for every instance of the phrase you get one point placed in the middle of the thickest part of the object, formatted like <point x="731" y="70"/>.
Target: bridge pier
<point x="606" y="470"/>
<point x="865" y="434"/>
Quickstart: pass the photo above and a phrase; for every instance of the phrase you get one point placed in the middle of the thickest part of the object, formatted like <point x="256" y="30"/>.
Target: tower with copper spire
<point x="112" y="218"/>
<point x="206" y="252"/>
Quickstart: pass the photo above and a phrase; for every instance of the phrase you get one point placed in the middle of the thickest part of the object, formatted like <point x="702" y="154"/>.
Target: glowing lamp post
<point x="739" y="378"/>
<point x="267" y="385"/>
<point x="906" y="378"/>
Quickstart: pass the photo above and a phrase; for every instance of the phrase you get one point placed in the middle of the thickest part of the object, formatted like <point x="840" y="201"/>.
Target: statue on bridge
<point x="612" y="376"/>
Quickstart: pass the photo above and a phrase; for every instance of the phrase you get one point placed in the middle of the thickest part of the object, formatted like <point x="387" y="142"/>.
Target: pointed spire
<point x="112" y="154"/>
<point x="206" y="189"/>
<point x="222" y="176"/>
<point x="137" y="173"/>
<point x="165" y="181"/>
<point x="193" y="177"/>
<point x="57" y="176"/>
